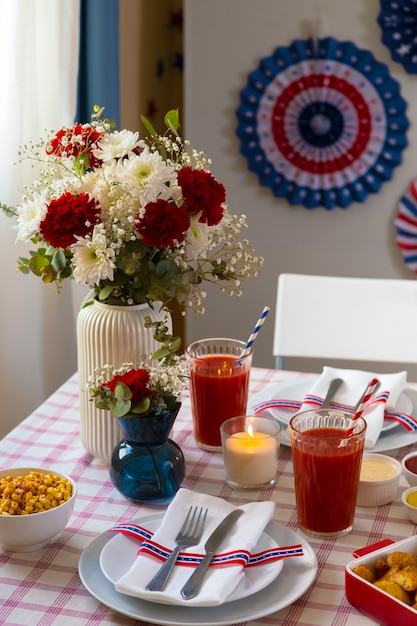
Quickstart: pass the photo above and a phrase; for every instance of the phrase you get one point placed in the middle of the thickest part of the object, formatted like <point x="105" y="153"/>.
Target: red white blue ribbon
<point x="242" y="557"/>
<point x="407" y="421"/>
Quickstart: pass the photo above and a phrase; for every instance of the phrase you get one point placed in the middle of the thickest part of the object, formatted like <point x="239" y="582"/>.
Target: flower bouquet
<point x="145" y="397"/>
<point x="144" y="388"/>
<point x="137" y="220"/>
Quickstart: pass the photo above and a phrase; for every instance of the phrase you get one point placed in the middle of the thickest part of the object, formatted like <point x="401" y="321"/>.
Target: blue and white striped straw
<point x="255" y="331"/>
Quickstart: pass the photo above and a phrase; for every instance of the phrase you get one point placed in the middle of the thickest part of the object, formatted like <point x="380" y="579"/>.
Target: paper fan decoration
<point x="406" y="224"/>
<point x="322" y="125"/>
<point x="398" y="21"/>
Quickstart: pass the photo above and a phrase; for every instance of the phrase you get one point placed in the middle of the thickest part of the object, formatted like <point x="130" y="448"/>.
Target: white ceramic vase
<point x="109" y="334"/>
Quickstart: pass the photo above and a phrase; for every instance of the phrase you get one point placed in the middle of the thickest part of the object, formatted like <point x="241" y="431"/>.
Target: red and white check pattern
<point x="43" y="588"/>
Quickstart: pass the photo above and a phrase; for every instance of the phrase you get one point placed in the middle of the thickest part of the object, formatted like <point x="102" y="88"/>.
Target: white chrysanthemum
<point x="92" y="259"/>
<point x="30" y="214"/>
<point x="149" y="177"/>
<point x="116" y="145"/>
<point x="94" y="184"/>
<point x="196" y="238"/>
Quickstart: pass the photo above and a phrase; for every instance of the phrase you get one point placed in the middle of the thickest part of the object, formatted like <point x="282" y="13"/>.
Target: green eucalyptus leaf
<point x="38" y="265"/>
<point x="23" y="265"/>
<point x="8" y="210"/>
<point x="131" y="263"/>
<point x="59" y="260"/>
<point x="148" y="126"/>
<point x="39" y="252"/>
<point x="121" y="408"/>
<point x="48" y="275"/>
<point x="101" y="403"/>
<point x="172" y="120"/>
<point x="105" y="292"/>
<point x="176" y="344"/>
<point x="122" y="392"/>
<point x="64" y="273"/>
<point x="142" y="406"/>
<point x="161" y="354"/>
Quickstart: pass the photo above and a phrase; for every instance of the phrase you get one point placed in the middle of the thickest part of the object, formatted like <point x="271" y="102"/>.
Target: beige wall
<point x="151" y="81"/>
<point x="224" y="42"/>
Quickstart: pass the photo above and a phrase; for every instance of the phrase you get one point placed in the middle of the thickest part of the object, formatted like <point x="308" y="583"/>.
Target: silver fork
<point x="189" y="535"/>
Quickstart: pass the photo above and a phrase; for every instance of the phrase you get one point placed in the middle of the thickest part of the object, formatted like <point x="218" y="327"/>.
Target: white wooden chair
<point x="332" y="317"/>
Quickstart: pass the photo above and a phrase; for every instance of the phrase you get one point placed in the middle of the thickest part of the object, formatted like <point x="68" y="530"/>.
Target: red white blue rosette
<point x="398" y="21"/>
<point x="406" y="225"/>
<point x="322" y="125"/>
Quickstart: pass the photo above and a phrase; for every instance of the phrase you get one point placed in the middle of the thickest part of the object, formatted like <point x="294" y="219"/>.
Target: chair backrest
<point x="332" y="317"/>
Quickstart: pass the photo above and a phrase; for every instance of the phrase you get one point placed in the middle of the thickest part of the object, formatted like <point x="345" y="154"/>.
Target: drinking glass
<point x="219" y="385"/>
<point x="327" y="448"/>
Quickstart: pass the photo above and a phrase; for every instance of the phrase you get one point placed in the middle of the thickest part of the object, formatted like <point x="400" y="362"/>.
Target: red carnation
<point x="80" y="139"/>
<point x="163" y="224"/>
<point x="68" y="216"/>
<point x="137" y="380"/>
<point x="202" y="192"/>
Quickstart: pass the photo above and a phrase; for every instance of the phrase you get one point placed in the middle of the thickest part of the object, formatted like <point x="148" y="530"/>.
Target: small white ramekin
<point x="378" y="492"/>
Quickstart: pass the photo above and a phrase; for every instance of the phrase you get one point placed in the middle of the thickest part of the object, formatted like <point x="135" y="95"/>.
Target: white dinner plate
<point x="119" y="554"/>
<point x="392" y="439"/>
<point x="298" y="574"/>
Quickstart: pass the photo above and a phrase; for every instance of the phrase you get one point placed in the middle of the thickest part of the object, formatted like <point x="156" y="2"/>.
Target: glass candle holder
<point x="250" y="451"/>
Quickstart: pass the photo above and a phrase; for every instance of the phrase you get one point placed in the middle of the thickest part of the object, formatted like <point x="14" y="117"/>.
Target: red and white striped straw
<point x="374" y="384"/>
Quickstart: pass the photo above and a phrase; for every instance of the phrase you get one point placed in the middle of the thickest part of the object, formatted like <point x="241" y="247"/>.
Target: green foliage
<point x="50" y="265"/>
<point x="9" y="211"/>
<point x="167" y="353"/>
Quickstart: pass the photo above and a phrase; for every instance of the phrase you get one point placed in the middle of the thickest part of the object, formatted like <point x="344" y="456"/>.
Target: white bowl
<point x="378" y="491"/>
<point x="410" y="476"/>
<point x="410" y="509"/>
<point x="26" y="533"/>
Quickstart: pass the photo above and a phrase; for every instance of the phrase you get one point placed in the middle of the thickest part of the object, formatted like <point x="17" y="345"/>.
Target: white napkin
<point x="220" y="581"/>
<point x="353" y="386"/>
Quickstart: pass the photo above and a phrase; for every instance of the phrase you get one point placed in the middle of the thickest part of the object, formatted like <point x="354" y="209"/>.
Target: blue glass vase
<point x="147" y="466"/>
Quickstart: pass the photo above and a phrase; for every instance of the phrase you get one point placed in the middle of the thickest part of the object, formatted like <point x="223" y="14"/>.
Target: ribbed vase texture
<point x="109" y="334"/>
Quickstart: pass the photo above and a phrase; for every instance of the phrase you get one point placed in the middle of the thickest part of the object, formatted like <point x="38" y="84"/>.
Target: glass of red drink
<point x="327" y="465"/>
<point x="219" y="385"/>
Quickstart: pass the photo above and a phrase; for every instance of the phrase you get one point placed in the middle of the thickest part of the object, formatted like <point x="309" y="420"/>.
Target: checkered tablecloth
<point x="43" y="588"/>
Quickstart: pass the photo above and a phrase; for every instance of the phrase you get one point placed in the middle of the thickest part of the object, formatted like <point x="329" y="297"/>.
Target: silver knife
<point x="193" y="584"/>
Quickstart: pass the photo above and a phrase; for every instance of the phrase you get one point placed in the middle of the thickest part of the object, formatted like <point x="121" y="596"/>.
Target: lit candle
<point x="251" y="458"/>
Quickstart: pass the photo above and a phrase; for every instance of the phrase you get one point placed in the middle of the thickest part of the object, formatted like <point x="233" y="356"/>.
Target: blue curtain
<point x="98" y="76"/>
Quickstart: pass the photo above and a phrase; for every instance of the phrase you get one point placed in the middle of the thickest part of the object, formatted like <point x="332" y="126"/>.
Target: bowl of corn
<point x="35" y="506"/>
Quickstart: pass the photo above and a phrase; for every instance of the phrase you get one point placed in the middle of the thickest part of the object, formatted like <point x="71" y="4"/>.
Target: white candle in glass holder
<point x="251" y="458"/>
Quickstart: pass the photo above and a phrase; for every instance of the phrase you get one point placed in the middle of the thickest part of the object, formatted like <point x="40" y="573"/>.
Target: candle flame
<point x="250" y="431"/>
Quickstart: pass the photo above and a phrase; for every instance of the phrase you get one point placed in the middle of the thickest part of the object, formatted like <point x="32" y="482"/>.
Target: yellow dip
<point x="412" y="498"/>
<point x="376" y="470"/>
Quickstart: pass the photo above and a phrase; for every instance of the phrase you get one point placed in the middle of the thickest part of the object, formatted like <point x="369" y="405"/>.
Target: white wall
<point x="224" y="42"/>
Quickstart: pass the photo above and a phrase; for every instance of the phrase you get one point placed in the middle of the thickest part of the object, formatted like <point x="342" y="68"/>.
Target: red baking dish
<point x="374" y="602"/>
